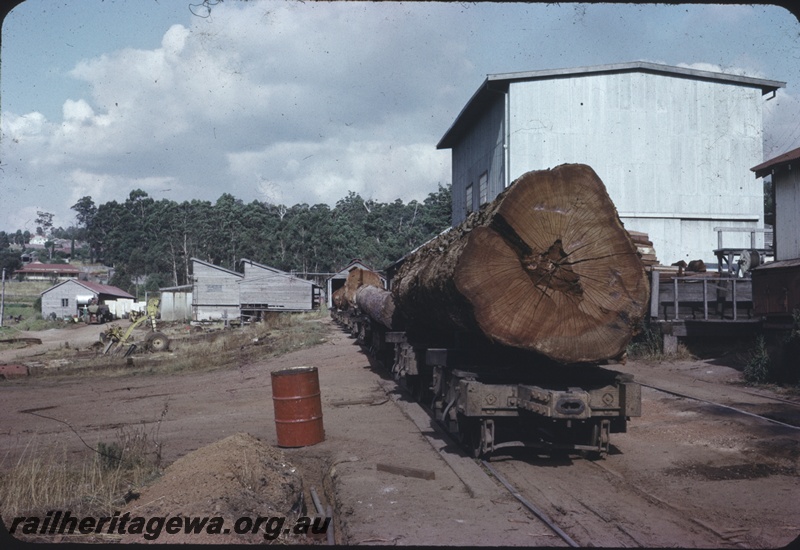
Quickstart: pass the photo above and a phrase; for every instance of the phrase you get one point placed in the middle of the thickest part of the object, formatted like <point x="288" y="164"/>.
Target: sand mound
<point x="236" y="477"/>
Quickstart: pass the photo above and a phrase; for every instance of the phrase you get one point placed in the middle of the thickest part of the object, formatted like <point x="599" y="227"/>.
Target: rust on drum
<point x="298" y="407"/>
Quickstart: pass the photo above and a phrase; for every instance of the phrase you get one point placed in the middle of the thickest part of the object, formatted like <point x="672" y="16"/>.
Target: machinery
<point x="116" y="339"/>
<point x="97" y="314"/>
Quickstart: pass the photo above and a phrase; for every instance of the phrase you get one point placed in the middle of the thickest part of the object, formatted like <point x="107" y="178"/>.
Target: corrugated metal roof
<point x="178" y="288"/>
<point x="240" y="275"/>
<point x="105" y="289"/>
<point x="498" y="83"/>
<point x="782" y="264"/>
<point x="96" y="288"/>
<point x="48" y="268"/>
<point x="766" y="168"/>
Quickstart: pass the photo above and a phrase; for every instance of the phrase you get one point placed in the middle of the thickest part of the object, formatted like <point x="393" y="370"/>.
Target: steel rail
<point x="707" y="402"/>
<point x="538" y="513"/>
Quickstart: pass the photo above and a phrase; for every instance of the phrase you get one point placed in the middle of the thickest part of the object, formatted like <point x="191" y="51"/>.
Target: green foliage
<point x="759" y="366"/>
<point x="646" y="345"/>
<point x="142" y="237"/>
<point x="10" y="260"/>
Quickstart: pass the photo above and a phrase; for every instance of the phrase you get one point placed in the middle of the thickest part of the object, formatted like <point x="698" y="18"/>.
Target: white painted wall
<point x="674" y="153"/>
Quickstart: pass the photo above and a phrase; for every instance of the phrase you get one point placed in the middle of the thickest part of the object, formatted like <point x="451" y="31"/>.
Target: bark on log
<point x="547" y="267"/>
<point x="378" y="304"/>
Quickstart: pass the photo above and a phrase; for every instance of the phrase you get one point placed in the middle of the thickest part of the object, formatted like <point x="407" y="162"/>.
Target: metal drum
<point x="298" y="408"/>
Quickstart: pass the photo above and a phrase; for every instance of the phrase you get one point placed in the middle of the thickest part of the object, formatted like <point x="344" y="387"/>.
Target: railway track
<point x="613" y="502"/>
<point x="687" y="473"/>
<point x="794" y="404"/>
<point x="586" y="504"/>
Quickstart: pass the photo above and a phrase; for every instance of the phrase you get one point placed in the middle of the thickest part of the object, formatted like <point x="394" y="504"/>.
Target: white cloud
<point x="309" y="103"/>
<point x="297" y="102"/>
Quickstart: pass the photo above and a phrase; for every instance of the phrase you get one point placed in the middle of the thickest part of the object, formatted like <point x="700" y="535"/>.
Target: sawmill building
<point x="673" y="145"/>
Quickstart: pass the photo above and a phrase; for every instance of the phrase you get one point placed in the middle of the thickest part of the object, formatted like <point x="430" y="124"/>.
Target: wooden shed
<point x="68" y="297"/>
<point x="215" y="292"/>
<point x="673" y="145"/>
<point x="338" y="280"/>
<point x="265" y="288"/>
<point x="785" y="173"/>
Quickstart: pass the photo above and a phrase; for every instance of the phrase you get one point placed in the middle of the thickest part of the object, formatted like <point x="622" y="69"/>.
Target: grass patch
<point x="276" y="335"/>
<point x="648" y="345"/>
<point x="97" y="484"/>
<point x="199" y="349"/>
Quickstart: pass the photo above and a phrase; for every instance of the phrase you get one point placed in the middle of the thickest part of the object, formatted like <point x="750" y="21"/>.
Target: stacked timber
<point x="546" y="267"/>
<point x="644" y="246"/>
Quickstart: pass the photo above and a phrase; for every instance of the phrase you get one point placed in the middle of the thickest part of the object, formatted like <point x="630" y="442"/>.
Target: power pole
<point x="3" y="299"/>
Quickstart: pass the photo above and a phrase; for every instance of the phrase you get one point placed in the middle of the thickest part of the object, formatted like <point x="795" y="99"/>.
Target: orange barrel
<point x="298" y="408"/>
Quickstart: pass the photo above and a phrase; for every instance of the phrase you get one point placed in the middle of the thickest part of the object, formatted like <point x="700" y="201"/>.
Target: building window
<point x="469" y="198"/>
<point x="483" y="188"/>
<point x="64" y="302"/>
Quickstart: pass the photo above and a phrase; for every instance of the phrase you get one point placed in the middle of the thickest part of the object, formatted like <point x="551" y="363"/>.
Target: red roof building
<point x="37" y="271"/>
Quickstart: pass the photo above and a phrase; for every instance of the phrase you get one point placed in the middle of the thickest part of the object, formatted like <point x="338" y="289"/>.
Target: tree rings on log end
<point x="550" y="268"/>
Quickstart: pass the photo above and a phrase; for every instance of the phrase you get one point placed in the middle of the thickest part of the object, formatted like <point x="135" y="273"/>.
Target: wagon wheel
<point x="599" y="437"/>
<point x="157" y="341"/>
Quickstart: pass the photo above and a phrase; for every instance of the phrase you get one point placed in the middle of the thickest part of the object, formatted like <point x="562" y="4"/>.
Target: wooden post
<point x="675" y="296"/>
<point x="655" y="283"/>
<point x="705" y="299"/>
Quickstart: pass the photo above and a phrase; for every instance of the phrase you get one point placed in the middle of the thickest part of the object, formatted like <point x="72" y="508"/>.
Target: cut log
<point x="378" y="304"/>
<point x="356" y="279"/>
<point x="546" y="267"/>
<point x="338" y="299"/>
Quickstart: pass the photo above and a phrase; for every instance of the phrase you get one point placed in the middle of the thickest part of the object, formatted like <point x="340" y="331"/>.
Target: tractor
<point x="116" y="339"/>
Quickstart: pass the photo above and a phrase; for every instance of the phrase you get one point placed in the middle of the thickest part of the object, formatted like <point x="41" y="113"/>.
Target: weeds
<point x="96" y="484"/>
<point x="646" y="345"/>
<point x="758" y="367"/>
<point x="276" y="335"/>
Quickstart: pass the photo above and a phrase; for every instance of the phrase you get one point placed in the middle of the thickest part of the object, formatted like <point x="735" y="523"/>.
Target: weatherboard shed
<point x="265" y="288"/>
<point x="215" y="292"/>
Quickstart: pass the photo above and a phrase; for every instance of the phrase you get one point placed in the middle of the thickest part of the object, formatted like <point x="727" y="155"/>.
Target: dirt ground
<point x="686" y="474"/>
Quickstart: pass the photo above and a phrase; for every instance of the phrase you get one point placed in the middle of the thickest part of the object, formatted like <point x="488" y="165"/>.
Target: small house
<point x="215" y="292"/>
<point x="67" y="298"/>
<point x="37" y="271"/>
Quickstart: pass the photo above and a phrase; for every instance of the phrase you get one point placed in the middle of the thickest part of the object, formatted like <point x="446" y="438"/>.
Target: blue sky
<point x="293" y="102"/>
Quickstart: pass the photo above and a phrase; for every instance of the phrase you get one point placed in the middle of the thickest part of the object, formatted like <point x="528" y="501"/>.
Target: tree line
<point x="151" y="241"/>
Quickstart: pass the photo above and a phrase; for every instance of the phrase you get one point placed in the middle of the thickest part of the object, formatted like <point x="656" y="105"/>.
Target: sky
<point x="293" y="102"/>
